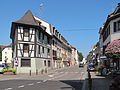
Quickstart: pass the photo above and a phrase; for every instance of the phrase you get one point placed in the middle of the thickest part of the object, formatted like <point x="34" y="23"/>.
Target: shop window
<point x="25" y="62"/>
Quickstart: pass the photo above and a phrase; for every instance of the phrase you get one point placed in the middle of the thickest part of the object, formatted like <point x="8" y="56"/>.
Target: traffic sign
<point x="16" y="58"/>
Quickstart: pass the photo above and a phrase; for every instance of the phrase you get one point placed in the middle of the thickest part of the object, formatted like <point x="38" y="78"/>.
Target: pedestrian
<point x="104" y="71"/>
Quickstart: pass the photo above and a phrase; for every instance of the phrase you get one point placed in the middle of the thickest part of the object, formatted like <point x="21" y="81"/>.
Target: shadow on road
<point x="75" y="84"/>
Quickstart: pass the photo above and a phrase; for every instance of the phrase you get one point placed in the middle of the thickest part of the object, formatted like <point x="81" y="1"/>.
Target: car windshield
<point x="1" y="65"/>
<point x="90" y="65"/>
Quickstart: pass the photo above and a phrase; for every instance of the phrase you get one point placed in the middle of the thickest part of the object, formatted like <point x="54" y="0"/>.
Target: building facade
<point x="7" y="55"/>
<point x="31" y="45"/>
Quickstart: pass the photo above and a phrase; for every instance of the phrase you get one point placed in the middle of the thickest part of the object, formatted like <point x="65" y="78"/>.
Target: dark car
<point x="81" y="65"/>
<point x="91" y="67"/>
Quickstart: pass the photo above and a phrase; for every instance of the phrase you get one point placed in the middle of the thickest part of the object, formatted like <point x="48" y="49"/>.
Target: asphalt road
<point x="64" y="79"/>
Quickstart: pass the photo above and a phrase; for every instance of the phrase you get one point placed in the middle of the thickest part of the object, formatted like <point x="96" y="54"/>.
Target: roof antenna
<point x="41" y="7"/>
<point x="40" y="12"/>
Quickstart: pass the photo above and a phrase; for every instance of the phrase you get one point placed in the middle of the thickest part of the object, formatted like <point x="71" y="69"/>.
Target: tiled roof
<point x="28" y="18"/>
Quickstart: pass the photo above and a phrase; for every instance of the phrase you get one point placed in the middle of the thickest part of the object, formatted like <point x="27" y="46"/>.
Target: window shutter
<point x="114" y="26"/>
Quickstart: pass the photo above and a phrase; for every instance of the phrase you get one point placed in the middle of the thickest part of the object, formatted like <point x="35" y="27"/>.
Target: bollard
<point x="30" y="72"/>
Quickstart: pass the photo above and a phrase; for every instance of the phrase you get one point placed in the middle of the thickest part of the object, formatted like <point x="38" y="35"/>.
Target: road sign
<point x="16" y="58"/>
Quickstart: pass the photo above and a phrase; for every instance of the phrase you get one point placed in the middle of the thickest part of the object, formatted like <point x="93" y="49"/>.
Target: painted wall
<point x="7" y="53"/>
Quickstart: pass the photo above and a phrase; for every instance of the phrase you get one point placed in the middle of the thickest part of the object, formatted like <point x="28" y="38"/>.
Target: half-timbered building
<point x="31" y="44"/>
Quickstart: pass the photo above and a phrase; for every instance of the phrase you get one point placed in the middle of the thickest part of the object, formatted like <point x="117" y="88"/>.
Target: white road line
<point x="8" y="89"/>
<point x="21" y="86"/>
<point x="44" y="80"/>
<point x="31" y="84"/>
<point x="38" y="82"/>
<point x="51" y="75"/>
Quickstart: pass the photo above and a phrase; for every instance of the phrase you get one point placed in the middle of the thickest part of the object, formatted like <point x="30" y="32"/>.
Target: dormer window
<point x="39" y="23"/>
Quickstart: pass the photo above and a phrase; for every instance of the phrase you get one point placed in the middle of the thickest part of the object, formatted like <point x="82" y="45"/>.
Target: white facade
<point x="7" y="55"/>
<point x="113" y="35"/>
<point x="45" y="24"/>
<point x="76" y="56"/>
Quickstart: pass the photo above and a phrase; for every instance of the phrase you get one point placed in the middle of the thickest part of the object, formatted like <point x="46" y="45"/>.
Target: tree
<point x="80" y="56"/>
<point x="0" y="54"/>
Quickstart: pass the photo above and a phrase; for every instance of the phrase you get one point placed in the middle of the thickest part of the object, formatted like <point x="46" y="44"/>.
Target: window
<point x="39" y="34"/>
<point x="48" y="63"/>
<point x="43" y="49"/>
<point x="106" y="33"/>
<point x="26" y="32"/>
<point x="118" y="25"/>
<point x="43" y="36"/>
<point x="25" y="62"/>
<point x="26" y="48"/>
<point x="48" y="40"/>
<point x="48" y="51"/>
<point x="45" y="63"/>
<point x="39" y="49"/>
<point x="114" y="26"/>
<point x="5" y="52"/>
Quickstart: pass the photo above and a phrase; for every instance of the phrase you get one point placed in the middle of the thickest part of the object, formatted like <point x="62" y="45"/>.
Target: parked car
<point x="2" y="66"/>
<point x="91" y="67"/>
<point x="81" y="64"/>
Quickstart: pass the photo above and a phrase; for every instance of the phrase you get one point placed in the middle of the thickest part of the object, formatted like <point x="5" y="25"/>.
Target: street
<point x="70" y="78"/>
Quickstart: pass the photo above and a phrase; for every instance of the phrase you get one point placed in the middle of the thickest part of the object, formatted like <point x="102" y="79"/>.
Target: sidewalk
<point x="33" y="76"/>
<point x="98" y="82"/>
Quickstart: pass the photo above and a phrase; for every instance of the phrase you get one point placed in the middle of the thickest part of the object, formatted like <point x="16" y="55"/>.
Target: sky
<point x="77" y="20"/>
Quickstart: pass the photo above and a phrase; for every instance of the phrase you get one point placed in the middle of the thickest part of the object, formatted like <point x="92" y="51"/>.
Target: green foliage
<point x="6" y="70"/>
<point x="3" y="70"/>
<point x="80" y="56"/>
<point x="9" y="70"/>
<point x="14" y="70"/>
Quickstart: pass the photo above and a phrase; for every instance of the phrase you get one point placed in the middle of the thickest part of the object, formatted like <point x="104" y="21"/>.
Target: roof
<point x="2" y="46"/>
<point x="28" y="18"/>
<point x="112" y="16"/>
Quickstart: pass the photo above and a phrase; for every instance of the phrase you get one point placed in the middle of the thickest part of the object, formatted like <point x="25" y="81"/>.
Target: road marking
<point x="38" y="82"/>
<point x="21" y="86"/>
<point x="31" y="84"/>
<point x="44" y="80"/>
<point x="51" y="75"/>
<point x="8" y="89"/>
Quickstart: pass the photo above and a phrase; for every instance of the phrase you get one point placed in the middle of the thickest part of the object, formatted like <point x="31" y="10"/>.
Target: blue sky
<point x="77" y="20"/>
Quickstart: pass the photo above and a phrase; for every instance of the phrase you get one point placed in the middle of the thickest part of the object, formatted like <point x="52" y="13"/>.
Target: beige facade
<point x="7" y="55"/>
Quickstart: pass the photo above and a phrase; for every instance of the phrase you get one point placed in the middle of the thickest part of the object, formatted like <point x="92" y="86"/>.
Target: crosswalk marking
<point x="8" y="89"/>
<point x="21" y="86"/>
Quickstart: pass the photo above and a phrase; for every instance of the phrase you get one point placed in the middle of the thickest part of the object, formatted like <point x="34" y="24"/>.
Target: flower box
<point x="9" y="73"/>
